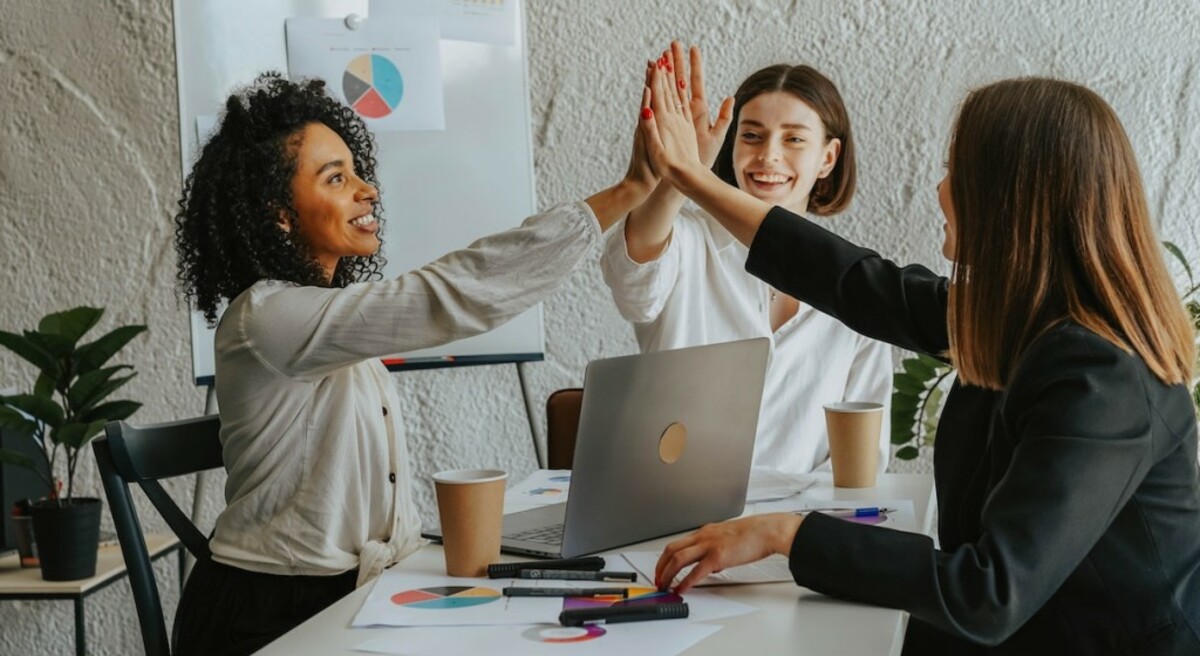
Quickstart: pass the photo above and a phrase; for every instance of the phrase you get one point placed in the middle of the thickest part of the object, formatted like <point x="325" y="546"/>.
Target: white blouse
<point x="698" y="292"/>
<point x="313" y="442"/>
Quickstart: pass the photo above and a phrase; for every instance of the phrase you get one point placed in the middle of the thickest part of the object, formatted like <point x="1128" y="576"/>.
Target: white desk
<point x="790" y="619"/>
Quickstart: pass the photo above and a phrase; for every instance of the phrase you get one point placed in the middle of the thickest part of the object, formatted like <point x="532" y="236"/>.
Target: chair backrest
<point x="144" y="455"/>
<point x="562" y="423"/>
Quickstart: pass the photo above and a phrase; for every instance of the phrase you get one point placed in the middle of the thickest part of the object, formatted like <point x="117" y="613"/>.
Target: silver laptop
<point x="664" y="445"/>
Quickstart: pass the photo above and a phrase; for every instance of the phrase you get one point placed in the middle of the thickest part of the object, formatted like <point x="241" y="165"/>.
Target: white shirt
<point x="698" y="292"/>
<point x="312" y="439"/>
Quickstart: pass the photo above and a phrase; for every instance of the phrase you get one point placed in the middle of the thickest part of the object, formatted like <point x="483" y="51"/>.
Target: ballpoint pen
<point x="848" y="512"/>
<point x="515" y="591"/>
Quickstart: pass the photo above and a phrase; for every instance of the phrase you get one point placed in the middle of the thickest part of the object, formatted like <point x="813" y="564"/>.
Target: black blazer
<point x="1068" y="503"/>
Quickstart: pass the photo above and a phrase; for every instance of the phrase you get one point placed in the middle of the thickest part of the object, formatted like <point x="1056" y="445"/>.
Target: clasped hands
<point x="677" y="137"/>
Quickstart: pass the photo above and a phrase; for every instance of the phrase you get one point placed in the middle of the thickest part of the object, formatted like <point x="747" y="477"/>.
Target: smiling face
<point x="335" y="207"/>
<point x="781" y="150"/>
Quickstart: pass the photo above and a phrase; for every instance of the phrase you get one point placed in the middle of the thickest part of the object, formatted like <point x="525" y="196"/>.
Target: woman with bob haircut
<point x="280" y="219"/>
<point x="1069" y="504"/>
<point x="680" y="278"/>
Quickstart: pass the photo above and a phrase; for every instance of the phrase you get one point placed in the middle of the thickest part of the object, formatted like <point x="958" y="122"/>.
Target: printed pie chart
<point x="373" y="85"/>
<point x="441" y="598"/>
<point x="563" y="634"/>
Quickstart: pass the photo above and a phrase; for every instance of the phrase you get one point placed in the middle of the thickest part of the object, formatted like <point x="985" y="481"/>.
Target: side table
<point x="26" y="583"/>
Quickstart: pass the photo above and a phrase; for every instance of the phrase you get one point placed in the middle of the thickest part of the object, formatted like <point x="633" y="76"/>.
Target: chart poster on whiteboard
<point x="389" y="71"/>
<point x="483" y="21"/>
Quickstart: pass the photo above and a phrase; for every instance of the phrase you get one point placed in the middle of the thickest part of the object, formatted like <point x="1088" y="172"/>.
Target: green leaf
<point x="30" y="352"/>
<point x="907" y="453"/>
<point x="38" y="407"/>
<point x="933" y="405"/>
<point x="75" y="434"/>
<point x="902" y="414"/>
<point x="71" y="324"/>
<point x="902" y="433"/>
<point x="9" y="457"/>
<point x="112" y="411"/>
<point x="44" y="387"/>
<point x="92" y="387"/>
<point x="930" y="437"/>
<point x="919" y="369"/>
<point x="1193" y="308"/>
<point x="16" y="424"/>
<point x="58" y="346"/>
<point x="940" y="365"/>
<point x="1174" y="250"/>
<point x="93" y="356"/>
<point x="905" y="383"/>
<point x="902" y="424"/>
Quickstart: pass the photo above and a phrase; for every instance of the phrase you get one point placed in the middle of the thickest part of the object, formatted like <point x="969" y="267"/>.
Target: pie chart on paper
<point x="372" y="85"/>
<point x="446" y="597"/>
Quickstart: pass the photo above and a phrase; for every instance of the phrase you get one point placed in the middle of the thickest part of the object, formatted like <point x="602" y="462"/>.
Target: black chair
<point x="144" y="455"/>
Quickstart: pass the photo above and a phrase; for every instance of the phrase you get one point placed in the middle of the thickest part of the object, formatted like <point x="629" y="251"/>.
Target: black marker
<point x="576" y="575"/>
<point x="516" y="591"/>
<point x="509" y="570"/>
<point x="614" y="614"/>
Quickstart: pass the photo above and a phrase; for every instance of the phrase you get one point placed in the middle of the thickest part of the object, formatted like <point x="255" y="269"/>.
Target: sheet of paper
<point x="402" y="598"/>
<point x="485" y="21"/>
<point x="663" y="638"/>
<point x="389" y="71"/>
<point x="541" y="488"/>
<point x="206" y="124"/>
<point x="769" y="570"/>
<point x="900" y="515"/>
<point x="771" y="485"/>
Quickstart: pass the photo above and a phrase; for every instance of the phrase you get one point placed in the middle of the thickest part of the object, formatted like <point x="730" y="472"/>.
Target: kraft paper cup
<point x="853" y="428"/>
<point x="471" y="509"/>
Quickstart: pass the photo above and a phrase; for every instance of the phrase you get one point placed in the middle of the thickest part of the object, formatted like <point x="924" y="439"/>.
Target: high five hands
<point x="677" y="133"/>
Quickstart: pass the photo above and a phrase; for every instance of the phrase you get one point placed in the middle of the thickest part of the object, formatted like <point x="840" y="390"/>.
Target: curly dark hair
<point x="227" y="230"/>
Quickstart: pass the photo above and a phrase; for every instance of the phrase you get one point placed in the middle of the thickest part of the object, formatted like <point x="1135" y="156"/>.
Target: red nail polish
<point x="670" y="68"/>
<point x="647" y="113"/>
<point x="682" y="84"/>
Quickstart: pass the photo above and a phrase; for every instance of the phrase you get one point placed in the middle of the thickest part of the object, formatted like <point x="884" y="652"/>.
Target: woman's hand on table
<point x="716" y="547"/>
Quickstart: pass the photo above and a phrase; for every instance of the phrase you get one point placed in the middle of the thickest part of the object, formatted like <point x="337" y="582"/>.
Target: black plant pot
<point x="68" y="536"/>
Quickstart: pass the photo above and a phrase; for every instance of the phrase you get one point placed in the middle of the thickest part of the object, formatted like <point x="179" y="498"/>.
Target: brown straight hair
<point x="832" y="193"/>
<point x="1052" y="225"/>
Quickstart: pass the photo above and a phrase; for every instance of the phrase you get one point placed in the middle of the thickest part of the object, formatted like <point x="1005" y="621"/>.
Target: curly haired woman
<point x="280" y="219"/>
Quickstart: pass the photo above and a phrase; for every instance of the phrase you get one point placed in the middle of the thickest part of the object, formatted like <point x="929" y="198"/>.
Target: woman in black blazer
<point x="1066" y="463"/>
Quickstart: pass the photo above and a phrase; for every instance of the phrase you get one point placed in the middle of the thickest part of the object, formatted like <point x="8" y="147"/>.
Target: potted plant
<point x="66" y="408"/>
<point x="918" y="388"/>
<point x="1191" y="301"/>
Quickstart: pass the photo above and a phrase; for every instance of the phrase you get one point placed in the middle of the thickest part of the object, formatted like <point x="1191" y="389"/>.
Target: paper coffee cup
<point x="471" y="509"/>
<point x="853" y="429"/>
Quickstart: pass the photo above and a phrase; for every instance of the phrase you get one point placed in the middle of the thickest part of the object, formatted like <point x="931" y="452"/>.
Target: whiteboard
<point x="440" y="190"/>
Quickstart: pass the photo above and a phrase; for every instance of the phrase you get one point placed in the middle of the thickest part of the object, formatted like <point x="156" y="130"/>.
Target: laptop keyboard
<point x="542" y="535"/>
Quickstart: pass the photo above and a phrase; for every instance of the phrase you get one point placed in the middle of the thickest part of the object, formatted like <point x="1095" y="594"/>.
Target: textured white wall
<point x="89" y="177"/>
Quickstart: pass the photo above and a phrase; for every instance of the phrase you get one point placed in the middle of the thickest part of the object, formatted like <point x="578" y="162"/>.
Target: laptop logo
<point x="672" y="443"/>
